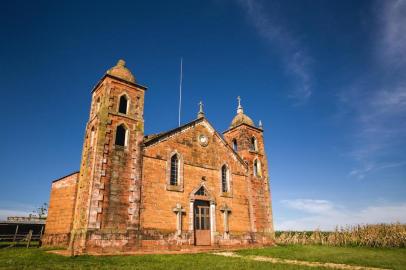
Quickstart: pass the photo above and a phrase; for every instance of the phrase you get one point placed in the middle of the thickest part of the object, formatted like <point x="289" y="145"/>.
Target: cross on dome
<point x="239" y="108"/>
<point x="241" y="118"/>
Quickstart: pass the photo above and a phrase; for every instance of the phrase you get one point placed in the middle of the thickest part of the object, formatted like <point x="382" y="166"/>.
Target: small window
<point x="224" y="179"/>
<point x="174" y="170"/>
<point x="98" y="104"/>
<point x="257" y="168"/>
<point x="254" y="144"/>
<point x="121" y="136"/>
<point x="235" y="145"/>
<point x="92" y="136"/>
<point x="123" y="104"/>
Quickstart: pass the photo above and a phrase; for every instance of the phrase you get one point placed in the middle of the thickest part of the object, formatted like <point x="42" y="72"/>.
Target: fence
<point x="21" y="234"/>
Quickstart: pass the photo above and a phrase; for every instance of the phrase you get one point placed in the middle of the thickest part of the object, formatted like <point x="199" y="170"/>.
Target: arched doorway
<point x="203" y="209"/>
<point x="202" y="223"/>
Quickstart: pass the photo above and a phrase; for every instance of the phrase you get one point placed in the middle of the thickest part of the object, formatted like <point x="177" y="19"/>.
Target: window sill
<point x="120" y="148"/>
<point x="226" y="194"/>
<point x="174" y="188"/>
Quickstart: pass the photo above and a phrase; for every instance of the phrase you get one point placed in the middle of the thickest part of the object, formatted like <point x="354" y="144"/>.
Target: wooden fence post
<point x="15" y="235"/>
<point x="29" y="238"/>
<point x="40" y="237"/>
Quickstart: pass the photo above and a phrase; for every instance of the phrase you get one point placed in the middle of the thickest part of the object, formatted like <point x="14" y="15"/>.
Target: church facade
<point x="189" y="186"/>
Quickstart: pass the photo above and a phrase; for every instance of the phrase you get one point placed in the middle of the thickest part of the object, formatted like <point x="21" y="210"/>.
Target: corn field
<point x="379" y="235"/>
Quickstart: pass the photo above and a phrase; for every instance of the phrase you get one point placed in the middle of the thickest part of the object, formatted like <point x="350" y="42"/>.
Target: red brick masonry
<point x="121" y="201"/>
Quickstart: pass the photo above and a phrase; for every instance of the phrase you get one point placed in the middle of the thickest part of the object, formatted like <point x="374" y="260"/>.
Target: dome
<point x="120" y="71"/>
<point x="241" y="118"/>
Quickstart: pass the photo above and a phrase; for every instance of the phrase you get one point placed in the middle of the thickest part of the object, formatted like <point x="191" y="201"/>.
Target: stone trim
<point x="127" y="136"/>
<point x="259" y="173"/>
<point x="209" y="196"/>
<point x="123" y="93"/>
<point x="179" y="186"/>
<point x="229" y="193"/>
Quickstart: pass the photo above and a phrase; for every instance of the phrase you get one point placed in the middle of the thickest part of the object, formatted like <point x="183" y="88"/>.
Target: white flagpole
<point x="180" y="88"/>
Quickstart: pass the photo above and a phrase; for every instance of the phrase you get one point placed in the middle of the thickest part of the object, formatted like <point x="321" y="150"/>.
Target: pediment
<point x="201" y="193"/>
<point x="155" y="139"/>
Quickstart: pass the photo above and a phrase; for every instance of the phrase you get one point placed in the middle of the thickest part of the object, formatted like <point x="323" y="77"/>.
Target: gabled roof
<point x="156" y="138"/>
<point x="151" y="139"/>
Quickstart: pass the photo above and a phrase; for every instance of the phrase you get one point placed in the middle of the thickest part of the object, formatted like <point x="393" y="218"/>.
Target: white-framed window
<point x="92" y="132"/>
<point x="254" y="144"/>
<point x="235" y="145"/>
<point x="97" y="104"/>
<point x="174" y="174"/>
<point x="121" y="135"/>
<point x="123" y="104"/>
<point x="257" y="168"/>
<point x="225" y="179"/>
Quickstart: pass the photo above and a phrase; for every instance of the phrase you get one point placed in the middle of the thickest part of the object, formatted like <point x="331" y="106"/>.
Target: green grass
<point x="37" y="258"/>
<point x="33" y="258"/>
<point x="394" y="258"/>
<point x="18" y="244"/>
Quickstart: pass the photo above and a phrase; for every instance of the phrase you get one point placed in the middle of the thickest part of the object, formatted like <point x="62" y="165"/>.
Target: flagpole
<point x="180" y="88"/>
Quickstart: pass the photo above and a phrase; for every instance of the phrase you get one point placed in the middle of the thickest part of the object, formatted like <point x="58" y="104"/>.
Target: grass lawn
<point x="376" y="257"/>
<point x="34" y="258"/>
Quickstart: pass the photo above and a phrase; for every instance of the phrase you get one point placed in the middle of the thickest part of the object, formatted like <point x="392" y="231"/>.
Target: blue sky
<point x="327" y="79"/>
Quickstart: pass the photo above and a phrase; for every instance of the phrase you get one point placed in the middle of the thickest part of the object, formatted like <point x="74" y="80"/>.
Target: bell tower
<point x="108" y="196"/>
<point x="248" y="141"/>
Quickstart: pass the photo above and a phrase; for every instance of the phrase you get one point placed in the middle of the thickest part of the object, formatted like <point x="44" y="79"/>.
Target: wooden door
<point x="202" y="223"/>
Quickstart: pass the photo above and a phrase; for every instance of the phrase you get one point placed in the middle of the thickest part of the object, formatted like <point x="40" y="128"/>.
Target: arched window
<point x="235" y="145"/>
<point x="121" y="135"/>
<point x="225" y="179"/>
<point x="254" y="144"/>
<point x="92" y="137"/>
<point x="98" y="104"/>
<point x="174" y="170"/>
<point x="123" y="104"/>
<point x="257" y="168"/>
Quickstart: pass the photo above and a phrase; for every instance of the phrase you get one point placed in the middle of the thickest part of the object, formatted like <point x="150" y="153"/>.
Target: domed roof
<point x="241" y="118"/>
<point x="120" y="71"/>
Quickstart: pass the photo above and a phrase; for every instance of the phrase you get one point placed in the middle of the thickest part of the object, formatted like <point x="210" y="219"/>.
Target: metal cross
<point x="200" y="107"/>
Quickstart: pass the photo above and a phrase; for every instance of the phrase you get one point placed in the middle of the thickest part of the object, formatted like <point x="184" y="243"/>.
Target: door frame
<point x="209" y="198"/>
<point x="205" y="204"/>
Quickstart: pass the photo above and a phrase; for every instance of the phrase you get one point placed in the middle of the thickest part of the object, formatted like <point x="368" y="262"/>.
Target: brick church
<point x="189" y="186"/>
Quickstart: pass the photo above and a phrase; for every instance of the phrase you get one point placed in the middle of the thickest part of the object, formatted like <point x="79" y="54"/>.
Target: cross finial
<point x="260" y="124"/>
<point x="201" y="112"/>
<point x="239" y="108"/>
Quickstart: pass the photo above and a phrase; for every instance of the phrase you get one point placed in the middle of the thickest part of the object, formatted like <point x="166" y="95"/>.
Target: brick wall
<point x="60" y="212"/>
<point x="260" y="185"/>
<point x="158" y="220"/>
<point x="108" y="193"/>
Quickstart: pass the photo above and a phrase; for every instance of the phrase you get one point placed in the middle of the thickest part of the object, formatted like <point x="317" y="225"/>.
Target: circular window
<point x="203" y="140"/>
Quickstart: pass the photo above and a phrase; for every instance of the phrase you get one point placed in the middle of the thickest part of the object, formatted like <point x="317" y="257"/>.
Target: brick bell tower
<point x="108" y="197"/>
<point x="248" y="141"/>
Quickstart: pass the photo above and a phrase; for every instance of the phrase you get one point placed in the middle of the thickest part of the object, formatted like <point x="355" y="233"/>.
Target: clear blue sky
<point x="327" y="79"/>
